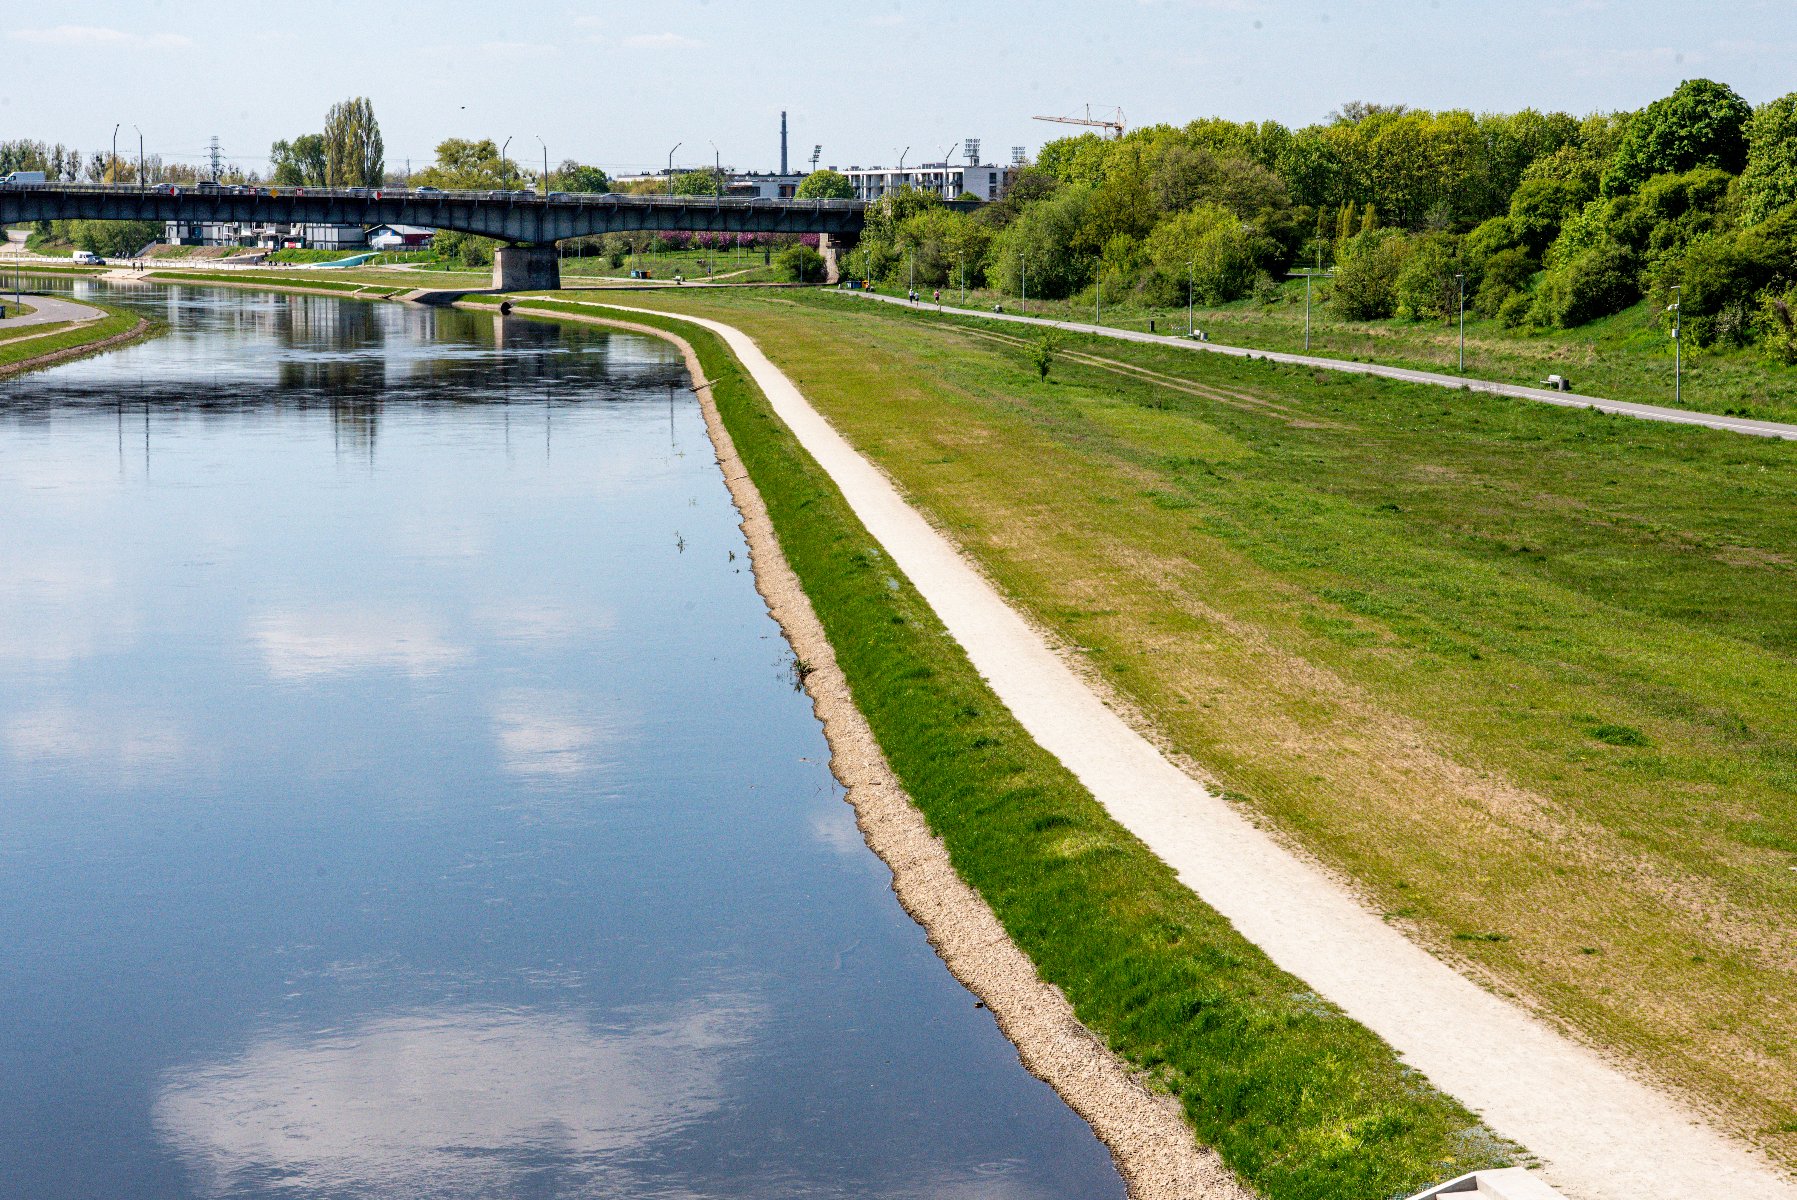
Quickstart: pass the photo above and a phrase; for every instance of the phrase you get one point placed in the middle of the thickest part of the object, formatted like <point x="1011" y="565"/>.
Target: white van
<point x="24" y="177"/>
<point x="88" y="258"/>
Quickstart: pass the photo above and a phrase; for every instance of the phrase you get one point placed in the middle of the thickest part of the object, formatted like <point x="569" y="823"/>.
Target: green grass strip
<point x="272" y="281"/>
<point x="116" y="321"/>
<point x="1302" y="1102"/>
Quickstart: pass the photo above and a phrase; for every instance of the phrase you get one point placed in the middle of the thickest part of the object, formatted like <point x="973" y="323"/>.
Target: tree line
<point x="1542" y="220"/>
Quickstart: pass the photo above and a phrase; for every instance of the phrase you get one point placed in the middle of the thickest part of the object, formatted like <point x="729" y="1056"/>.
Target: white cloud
<point x="439" y="1102"/>
<point x="98" y="35"/>
<point x="307" y="644"/>
<point x="55" y="611"/>
<point x="660" y="41"/>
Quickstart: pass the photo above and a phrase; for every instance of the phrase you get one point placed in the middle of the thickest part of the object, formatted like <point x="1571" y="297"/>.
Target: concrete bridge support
<point x="526" y="268"/>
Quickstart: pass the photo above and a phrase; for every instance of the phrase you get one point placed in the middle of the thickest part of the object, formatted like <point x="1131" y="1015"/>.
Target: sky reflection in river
<point x="404" y="792"/>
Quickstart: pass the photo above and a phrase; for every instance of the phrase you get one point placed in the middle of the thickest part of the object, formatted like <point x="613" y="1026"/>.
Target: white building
<point x="265" y="235"/>
<point x="988" y="181"/>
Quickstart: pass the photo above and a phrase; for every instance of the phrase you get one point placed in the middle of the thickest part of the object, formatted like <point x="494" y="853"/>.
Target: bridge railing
<point x="427" y="195"/>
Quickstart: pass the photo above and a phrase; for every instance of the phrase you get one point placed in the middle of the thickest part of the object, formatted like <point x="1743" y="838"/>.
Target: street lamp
<point x="1098" y="290"/>
<point x="677" y="146"/>
<point x="545" y="146"/>
<point x="140" y="158"/>
<point x="115" y="155"/>
<point x="503" y="146"/>
<point x="1461" y="280"/>
<point x="1677" y="347"/>
<point x="1024" y="272"/>
<point x="717" y="167"/>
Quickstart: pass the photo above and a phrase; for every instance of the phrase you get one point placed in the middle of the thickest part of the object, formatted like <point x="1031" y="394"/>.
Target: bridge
<point x="529" y="223"/>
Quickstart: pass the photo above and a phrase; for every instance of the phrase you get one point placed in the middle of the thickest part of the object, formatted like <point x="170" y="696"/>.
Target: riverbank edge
<point x="142" y="331"/>
<point x="1148" y="1138"/>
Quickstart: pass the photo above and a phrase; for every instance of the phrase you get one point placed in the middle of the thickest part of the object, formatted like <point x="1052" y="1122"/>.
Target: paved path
<point x="50" y="310"/>
<point x="1603" y="1135"/>
<point x="1647" y="412"/>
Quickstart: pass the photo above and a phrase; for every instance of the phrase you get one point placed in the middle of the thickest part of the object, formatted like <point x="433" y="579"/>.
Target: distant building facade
<point x="266" y="235"/>
<point x="987" y="181"/>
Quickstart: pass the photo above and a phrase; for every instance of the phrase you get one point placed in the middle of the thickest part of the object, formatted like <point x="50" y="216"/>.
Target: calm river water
<point x="404" y="793"/>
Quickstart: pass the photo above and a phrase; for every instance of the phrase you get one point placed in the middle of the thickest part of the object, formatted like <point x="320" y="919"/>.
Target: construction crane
<point x="1113" y="125"/>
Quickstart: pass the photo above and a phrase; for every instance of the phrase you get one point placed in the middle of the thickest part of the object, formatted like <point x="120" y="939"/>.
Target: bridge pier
<point x="526" y="268"/>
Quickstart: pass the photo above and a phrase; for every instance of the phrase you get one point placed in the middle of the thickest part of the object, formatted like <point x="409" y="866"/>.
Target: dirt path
<point x="1602" y="1134"/>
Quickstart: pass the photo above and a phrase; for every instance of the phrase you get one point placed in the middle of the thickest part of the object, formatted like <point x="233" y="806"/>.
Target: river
<point x="405" y="793"/>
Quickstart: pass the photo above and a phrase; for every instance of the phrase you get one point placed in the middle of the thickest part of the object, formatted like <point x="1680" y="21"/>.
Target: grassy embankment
<point x="20" y="351"/>
<point x="277" y="282"/>
<point x="1528" y="675"/>
<point x="1302" y="1102"/>
<point x="1624" y="357"/>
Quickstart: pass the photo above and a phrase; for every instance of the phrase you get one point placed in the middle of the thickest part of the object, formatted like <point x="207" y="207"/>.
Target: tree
<point x="1366" y="274"/>
<point x="800" y="262"/>
<point x="354" y="154"/>
<point x="1220" y="249"/>
<point x="705" y="182"/>
<point x="826" y="185"/>
<point x="464" y="165"/>
<point x="299" y="163"/>
<point x="1769" y="182"/>
<point x="577" y="177"/>
<point x="1702" y="124"/>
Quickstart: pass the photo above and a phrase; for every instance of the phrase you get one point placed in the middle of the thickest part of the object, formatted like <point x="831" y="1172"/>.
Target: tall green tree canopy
<point x="465" y="165"/>
<point x="1770" y="181"/>
<point x="1702" y="124"/>
<point x="299" y="163"/>
<point x="826" y="185"/>
<point x="354" y="153"/>
<point x="577" y="177"/>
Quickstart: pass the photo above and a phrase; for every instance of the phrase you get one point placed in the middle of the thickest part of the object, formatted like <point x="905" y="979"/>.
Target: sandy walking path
<point x="1603" y="1135"/>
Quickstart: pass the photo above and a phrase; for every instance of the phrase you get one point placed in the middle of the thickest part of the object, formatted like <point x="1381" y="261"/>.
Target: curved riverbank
<point x="111" y="329"/>
<point x="1299" y="1101"/>
<point x="1147" y="1137"/>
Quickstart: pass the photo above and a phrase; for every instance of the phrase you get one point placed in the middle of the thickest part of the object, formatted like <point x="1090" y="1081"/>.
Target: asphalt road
<point x="1646" y="412"/>
<point x="51" y="310"/>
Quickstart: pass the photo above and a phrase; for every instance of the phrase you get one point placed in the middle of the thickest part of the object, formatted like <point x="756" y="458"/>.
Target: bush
<point x="1366" y="275"/>
<point x="1514" y="311"/>
<point x="801" y="263"/>
<point x="1427" y="287"/>
<point x="1722" y="277"/>
<point x="1777" y="326"/>
<point x="1220" y="248"/>
<point x="1593" y="283"/>
<point x="1507" y="273"/>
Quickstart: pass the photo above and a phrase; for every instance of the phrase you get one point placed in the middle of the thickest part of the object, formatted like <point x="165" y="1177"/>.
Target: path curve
<point x="51" y="310"/>
<point x="1624" y="408"/>
<point x="1602" y="1134"/>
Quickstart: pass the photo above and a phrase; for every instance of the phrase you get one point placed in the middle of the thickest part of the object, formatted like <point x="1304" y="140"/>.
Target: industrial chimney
<point x="782" y="141"/>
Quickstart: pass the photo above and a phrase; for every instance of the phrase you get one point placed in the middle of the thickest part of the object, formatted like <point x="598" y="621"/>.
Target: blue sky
<point x="619" y="84"/>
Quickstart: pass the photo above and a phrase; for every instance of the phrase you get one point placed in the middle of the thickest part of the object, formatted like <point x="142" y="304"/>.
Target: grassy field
<point x="309" y="281"/>
<point x="1528" y="676"/>
<point x="1624" y="357"/>
<point x="1303" y="1103"/>
<point x="66" y="336"/>
<point x="32" y="331"/>
<point x="10" y="309"/>
<point x="743" y="266"/>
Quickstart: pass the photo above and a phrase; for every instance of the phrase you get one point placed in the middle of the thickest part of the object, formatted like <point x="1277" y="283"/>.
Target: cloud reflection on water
<point x="301" y="644"/>
<point x="449" y="1103"/>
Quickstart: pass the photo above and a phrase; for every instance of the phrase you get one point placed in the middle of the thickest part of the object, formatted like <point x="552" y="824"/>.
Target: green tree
<point x="577" y="177"/>
<point x="464" y="165"/>
<point x="1702" y="124"/>
<point x="354" y="154"/>
<point x="1219" y="247"/>
<point x="1427" y="287"/>
<point x="801" y="263"/>
<point x="1036" y="251"/>
<point x="1769" y="181"/>
<point x="1366" y="274"/>
<point x="299" y="163"/>
<point x="826" y="185"/>
<point x="706" y="182"/>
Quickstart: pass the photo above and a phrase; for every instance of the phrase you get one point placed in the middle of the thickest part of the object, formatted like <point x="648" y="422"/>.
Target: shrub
<point x="801" y="263"/>
<point x="1593" y="283"/>
<point x="1220" y="248"/>
<point x="1777" y="325"/>
<point x="1507" y="273"/>
<point x="1427" y="287"/>
<point x="1514" y="311"/>
<point x="1366" y="275"/>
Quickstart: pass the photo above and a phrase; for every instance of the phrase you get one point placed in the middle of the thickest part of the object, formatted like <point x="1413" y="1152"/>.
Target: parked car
<point x="208" y="185"/>
<point x="88" y="258"/>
